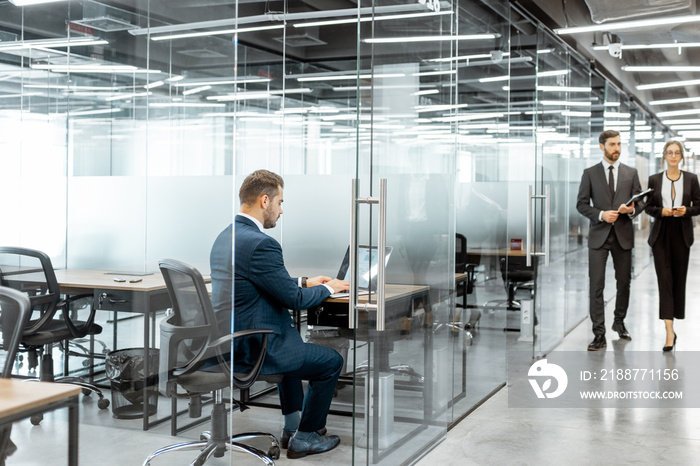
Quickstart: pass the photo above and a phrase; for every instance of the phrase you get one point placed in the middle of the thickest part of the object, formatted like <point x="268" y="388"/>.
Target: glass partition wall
<point x="409" y="125"/>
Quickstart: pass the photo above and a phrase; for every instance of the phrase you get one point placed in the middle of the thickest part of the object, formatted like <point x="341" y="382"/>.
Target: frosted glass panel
<point x="185" y="215"/>
<point x="316" y="223"/>
<point x="107" y="223"/>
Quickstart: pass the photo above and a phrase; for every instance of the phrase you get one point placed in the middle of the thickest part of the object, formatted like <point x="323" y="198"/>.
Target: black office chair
<point x="193" y="357"/>
<point x="464" y="288"/>
<point x="516" y="275"/>
<point x="14" y="315"/>
<point x="30" y="272"/>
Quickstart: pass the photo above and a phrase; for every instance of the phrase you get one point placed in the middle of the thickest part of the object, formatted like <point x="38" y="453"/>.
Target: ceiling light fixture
<point x="642" y="23"/>
<point x="32" y="2"/>
<point x="195" y="90"/>
<point x="563" y="89"/>
<point x="26" y="94"/>
<point x="127" y="96"/>
<point x="93" y="68"/>
<point x="568" y="103"/>
<point x="217" y="33"/>
<point x="51" y="43"/>
<point x="671" y="45"/>
<point x="96" y="112"/>
<point x="185" y="104"/>
<point x="691" y="82"/>
<point x="434" y="73"/>
<point x="154" y="84"/>
<point x="349" y="76"/>
<point x="683" y="100"/>
<point x="544" y="74"/>
<point x="494" y="79"/>
<point x="467" y="57"/>
<point x="439" y="108"/>
<point x="427" y="92"/>
<point x="223" y="81"/>
<point x="692" y="111"/>
<point x="393" y="40"/>
<point x="660" y="69"/>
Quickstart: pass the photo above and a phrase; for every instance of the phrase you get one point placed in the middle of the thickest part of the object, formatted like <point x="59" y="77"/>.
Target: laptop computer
<point x="367" y="269"/>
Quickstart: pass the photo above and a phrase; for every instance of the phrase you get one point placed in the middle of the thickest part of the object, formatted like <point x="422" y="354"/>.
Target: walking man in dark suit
<point x="605" y="188"/>
<point x="263" y="294"/>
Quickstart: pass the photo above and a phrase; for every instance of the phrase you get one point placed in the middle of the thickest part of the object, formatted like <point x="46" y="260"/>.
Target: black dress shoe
<point x="670" y="348"/>
<point x="314" y="444"/>
<point x="619" y="327"/>
<point x="598" y="343"/>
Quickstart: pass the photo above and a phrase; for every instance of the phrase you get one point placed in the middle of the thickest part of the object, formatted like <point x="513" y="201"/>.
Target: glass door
<point x="403" y="227"/>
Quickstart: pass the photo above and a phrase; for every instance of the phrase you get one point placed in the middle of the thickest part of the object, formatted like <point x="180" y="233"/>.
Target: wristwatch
<point x="303" y="281"/>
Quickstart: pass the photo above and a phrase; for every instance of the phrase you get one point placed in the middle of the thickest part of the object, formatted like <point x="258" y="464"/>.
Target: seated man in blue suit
<point x="263" y="294"/>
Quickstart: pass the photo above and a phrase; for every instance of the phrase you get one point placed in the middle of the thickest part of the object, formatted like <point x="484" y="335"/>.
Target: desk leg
<point x="73" y="420"/>
<point x="146" y="369"/>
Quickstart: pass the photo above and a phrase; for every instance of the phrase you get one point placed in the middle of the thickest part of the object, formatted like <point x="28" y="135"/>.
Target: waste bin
<point x="125" y="369"/>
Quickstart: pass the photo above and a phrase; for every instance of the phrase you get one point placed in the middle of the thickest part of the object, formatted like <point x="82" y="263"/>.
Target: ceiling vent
<point x="201" y="53"/>
<point x="106" y="24"/>
<point x="308" y="39"/>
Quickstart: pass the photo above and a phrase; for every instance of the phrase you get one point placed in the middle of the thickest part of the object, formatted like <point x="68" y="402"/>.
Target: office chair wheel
<point x="36" y="419"/>
<point x="274" y="452"/>
<point x="103" y="403"/>
<point x="86" y="392"/>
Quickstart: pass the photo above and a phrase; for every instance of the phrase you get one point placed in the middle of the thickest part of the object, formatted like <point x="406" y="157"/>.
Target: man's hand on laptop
<point x="338" y="285"/>
<point x="315" y="281"/>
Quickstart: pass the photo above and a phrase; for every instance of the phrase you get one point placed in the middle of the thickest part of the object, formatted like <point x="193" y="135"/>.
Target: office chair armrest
<point x="76" y="331"/>
<point x="37" y="301"/>
<point x="240" y="333"/>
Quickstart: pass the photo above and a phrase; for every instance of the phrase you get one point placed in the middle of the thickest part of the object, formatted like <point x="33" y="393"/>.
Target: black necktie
<point x="611" y="181"/>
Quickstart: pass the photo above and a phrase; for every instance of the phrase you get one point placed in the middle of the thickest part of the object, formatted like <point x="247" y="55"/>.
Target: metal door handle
<point x="528" y="241"/>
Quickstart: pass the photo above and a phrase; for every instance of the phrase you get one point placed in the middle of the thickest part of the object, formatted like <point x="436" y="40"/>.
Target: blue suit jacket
<point x="263" y="294"/>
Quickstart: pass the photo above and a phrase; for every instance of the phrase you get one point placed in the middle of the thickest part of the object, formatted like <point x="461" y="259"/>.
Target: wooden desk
<point x="146" y="297"/>
<point x="20" y="400"/>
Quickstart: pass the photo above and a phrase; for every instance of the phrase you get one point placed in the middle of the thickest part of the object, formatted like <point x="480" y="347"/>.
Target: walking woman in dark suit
<point x="676" y="198"/>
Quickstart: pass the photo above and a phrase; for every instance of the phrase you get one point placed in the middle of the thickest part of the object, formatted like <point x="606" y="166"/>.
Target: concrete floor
<point x="493" y="434"/>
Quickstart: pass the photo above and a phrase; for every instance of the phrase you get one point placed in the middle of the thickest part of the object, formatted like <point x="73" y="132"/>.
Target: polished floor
<point x="494" y="434"/>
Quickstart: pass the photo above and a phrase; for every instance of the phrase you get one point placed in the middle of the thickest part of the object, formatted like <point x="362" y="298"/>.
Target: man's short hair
<point x="605" y="135"/>
<point x="259" y="183"/>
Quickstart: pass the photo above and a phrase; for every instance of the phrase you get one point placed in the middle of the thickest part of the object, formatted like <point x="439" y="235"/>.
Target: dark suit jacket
<point x="691" y="200"/>
<point x="594" y="197"/>
<point x="263" y="293"/>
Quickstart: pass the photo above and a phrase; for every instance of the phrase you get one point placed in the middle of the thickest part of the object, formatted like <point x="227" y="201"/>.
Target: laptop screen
<point x="367" y="265"/>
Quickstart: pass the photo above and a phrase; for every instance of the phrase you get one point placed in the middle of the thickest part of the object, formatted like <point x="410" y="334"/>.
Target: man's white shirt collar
<point x="255" y="220"/>
<point x="607" y="164"/>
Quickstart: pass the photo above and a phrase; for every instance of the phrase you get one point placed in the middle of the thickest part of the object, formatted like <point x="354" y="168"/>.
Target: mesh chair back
<point x="14" y="314"/>
<point x="30" y="272"/>
<point x="460" y="253"/>
<point x="193" y="315"/>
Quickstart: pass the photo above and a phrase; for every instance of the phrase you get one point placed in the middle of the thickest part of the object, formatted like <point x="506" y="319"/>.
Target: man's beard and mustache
<point x="269" y="219"/>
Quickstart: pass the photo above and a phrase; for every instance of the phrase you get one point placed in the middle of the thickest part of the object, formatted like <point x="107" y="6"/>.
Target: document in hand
<point x="639" y="196"/>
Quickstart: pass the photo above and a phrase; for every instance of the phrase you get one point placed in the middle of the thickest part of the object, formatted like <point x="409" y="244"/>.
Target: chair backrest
<point x="14" y="315"/>
<point x="30" y="272"/>
<point x="186" y="335"/>
<point x="460" y="253"/>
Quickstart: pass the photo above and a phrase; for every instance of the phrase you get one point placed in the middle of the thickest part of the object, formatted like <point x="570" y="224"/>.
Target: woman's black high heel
<point x="670" y="348"/>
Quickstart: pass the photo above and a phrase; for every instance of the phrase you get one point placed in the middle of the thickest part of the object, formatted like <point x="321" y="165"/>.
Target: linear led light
<point x="642" y="23"/>
<point x="128" y="96"/>
<point x="214" y="82"/>
<point x="616" y="115"/>
<point x="96" y="112"/>
<point x="683" y="121"/>
<point x="96" y="68"/>
<point x="51" y="43"/>
<point x="541" y="51"/>
<point x="544" y="74"/>
<point x="692" y="111"/>
<point x="468" y="117"/>
<point x="439" y="108"/>
<point x="683" y="100"/>
<point x="351" y="88"/>
<point x="32" y="2"/>
<point x="494" y="79"/>
<point x="185" y="104"/>
<point x="671" y="45"/>
<point x="611" y="104"/>
<point x="349" y="76"/>
<point x="175" y="79"/>
<point x="434" y="73"/>
<point x="568" y="103"/>
<point x="65" y="87"/>
<point x="427" y="92"/>
<point x="467" y="57"/>
<point x="690" y="82"/>
<point x="563" y="89"/>
<point x="394" y="40"/>
<point x="217" y="33"/>
<point x="660" y="69"/>
<point x="26" y="94"/>
<point x="363" y="19"/>
<point x="194" y="90"/>
<point x="154" y="84"/>
<point x="259" y="94"/>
